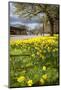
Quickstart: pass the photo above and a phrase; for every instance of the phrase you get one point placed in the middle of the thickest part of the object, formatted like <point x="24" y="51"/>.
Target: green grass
<point x="33" y="59"/>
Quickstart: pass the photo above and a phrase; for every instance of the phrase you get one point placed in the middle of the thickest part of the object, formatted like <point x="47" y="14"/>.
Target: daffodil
<point x="33" y="55"/>
<point x="21" y="78"/>
<point x="30" y="82"/>
<point x="44" y="68"/>
<point x="44" y="76"/>
<point x="42" y="81"/>
<point x="38" y="53"/>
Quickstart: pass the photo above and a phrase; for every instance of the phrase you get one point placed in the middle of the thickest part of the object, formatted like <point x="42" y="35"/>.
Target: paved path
<point x="17" y="37"/>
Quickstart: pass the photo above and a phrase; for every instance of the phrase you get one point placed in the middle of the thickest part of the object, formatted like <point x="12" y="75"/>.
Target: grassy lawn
<point x="34" y="62"/>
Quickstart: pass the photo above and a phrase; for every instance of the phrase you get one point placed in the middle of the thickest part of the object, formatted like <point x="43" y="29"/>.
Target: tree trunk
<point x="51" y="23"/>
<point x="43" y="28"/>
<point x="52" y="28"/>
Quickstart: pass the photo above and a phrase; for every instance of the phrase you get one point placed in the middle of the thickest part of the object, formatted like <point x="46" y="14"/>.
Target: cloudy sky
<point x="15" y="20"/>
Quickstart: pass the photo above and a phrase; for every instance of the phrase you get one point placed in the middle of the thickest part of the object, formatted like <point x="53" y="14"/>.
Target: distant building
<point x="18" y="30"/>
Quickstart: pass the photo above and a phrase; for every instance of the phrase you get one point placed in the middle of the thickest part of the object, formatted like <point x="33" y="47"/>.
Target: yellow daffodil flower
<point x="21" y="78"/>
<point x="42" y="81"/>
<point x="44" y="68"/>
<point x="44" y="76"/>
<point x="29" y="82"/>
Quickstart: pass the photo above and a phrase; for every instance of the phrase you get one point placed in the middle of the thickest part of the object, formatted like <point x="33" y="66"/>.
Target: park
<point x="34" y="45"/>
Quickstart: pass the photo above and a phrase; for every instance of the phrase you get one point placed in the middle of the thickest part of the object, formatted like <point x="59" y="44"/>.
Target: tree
<point x="29" y="11"/>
